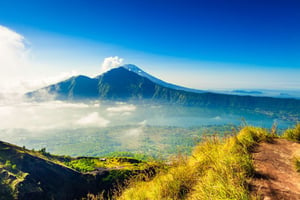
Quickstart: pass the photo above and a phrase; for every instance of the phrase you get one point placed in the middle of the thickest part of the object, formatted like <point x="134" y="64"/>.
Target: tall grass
<point x="218" y="169"/>
<point x="293" y="133"/>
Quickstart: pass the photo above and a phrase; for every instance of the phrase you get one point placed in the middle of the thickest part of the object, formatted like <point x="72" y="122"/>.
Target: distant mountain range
<point x="263" y="93"/>
<point x="130" y="83"/>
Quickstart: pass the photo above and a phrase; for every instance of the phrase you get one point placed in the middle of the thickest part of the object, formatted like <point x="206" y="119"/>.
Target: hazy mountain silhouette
<point x="129" y="82"/>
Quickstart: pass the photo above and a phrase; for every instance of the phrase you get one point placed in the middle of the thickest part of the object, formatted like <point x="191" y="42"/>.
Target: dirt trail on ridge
<point x="276" y="176"/>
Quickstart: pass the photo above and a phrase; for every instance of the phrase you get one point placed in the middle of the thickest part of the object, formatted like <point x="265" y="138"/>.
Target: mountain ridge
<point x="140" y="72"/>
<point x="122" y="84"/>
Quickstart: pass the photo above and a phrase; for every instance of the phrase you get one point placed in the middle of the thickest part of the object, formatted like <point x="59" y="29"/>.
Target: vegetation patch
<point x="297" y="163"/>
<point x="293" y="133"/>
<point x="219" y="168"/>
<point x="89" y="164"/>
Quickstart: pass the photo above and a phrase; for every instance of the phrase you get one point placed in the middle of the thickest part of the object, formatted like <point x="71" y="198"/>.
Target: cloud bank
<point x="13" y="49"/>
<point x="14" y="56"/>
<point x="18" y="72"/>
<point x="122" y="108"/>
<point x="53" y="114"/>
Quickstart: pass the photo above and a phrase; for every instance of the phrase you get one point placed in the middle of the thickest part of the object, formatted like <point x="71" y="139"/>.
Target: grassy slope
<point x="218" y="169"/>
<point x="32" y="175"/>
<point x="26" y="174"/>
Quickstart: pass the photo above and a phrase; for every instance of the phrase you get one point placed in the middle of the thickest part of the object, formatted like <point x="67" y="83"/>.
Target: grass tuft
<point x="249" y="136"/>
<point x="293" y="133"/>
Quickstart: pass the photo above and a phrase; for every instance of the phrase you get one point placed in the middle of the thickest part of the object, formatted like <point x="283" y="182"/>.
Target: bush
<point x="249" y="136"/>
<point x="8" y="165"/>
<point x="82" y="165"/>
<point x="293" y="134"/>
<point x="297" y="160"/>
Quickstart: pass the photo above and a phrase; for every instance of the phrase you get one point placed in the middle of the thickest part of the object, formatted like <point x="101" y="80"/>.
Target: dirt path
<point x="276" y="177"/>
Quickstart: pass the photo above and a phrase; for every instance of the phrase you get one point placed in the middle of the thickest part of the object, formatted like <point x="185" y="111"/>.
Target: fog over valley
<point x="102" y="127"/>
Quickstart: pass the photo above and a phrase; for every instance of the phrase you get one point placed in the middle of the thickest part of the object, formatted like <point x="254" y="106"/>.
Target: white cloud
<point x="14" y="62"/>
<point x="62" y="104"/>
<point x="13" y="49"/>
<point x="143" y="123"/>
<point x="217" y="118"/>
<point x="134" y="132"/>
<point x="122" y="108"/>
<point x="111" y="62"/>
<point x="38" y="116"/>
<point x="96" y="105"/>
<point x="14" y="57"/>
<point x="22" y="86"/>
<point x="18" y="71"/>
<point x="93" y="119"/>
<point x="126" y="114"/>
<point x="43" y="95"/>
<point x="34" y="84"/>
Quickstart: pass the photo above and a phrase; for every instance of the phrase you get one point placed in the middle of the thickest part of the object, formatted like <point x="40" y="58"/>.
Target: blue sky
<point x="205" y="44"/>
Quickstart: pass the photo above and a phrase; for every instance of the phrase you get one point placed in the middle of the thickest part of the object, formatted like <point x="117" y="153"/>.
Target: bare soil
<point x="276" y="177"/>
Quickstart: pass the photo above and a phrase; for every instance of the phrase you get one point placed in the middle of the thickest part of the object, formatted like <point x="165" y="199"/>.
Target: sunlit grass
<point x="219" y="168"/>
<point x="293" y="133"/>
<point x="93" y="163"/>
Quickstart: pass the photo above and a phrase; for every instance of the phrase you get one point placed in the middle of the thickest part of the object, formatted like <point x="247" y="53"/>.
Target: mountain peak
<point x="140" y="72"/>
<point x="133" y="68"/>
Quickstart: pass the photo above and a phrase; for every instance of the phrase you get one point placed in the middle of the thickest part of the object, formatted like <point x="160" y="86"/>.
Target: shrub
<point x="82" y="165"/>
<point x="297" y="160"/>
<point x="8" y="165"/>
<point x="293" y="134"/>
<point x="249" y="136"/>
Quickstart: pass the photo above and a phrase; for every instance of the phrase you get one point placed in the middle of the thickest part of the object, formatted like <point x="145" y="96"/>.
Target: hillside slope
<point x="33" y="177"/>
<point x="36" y="175"/>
